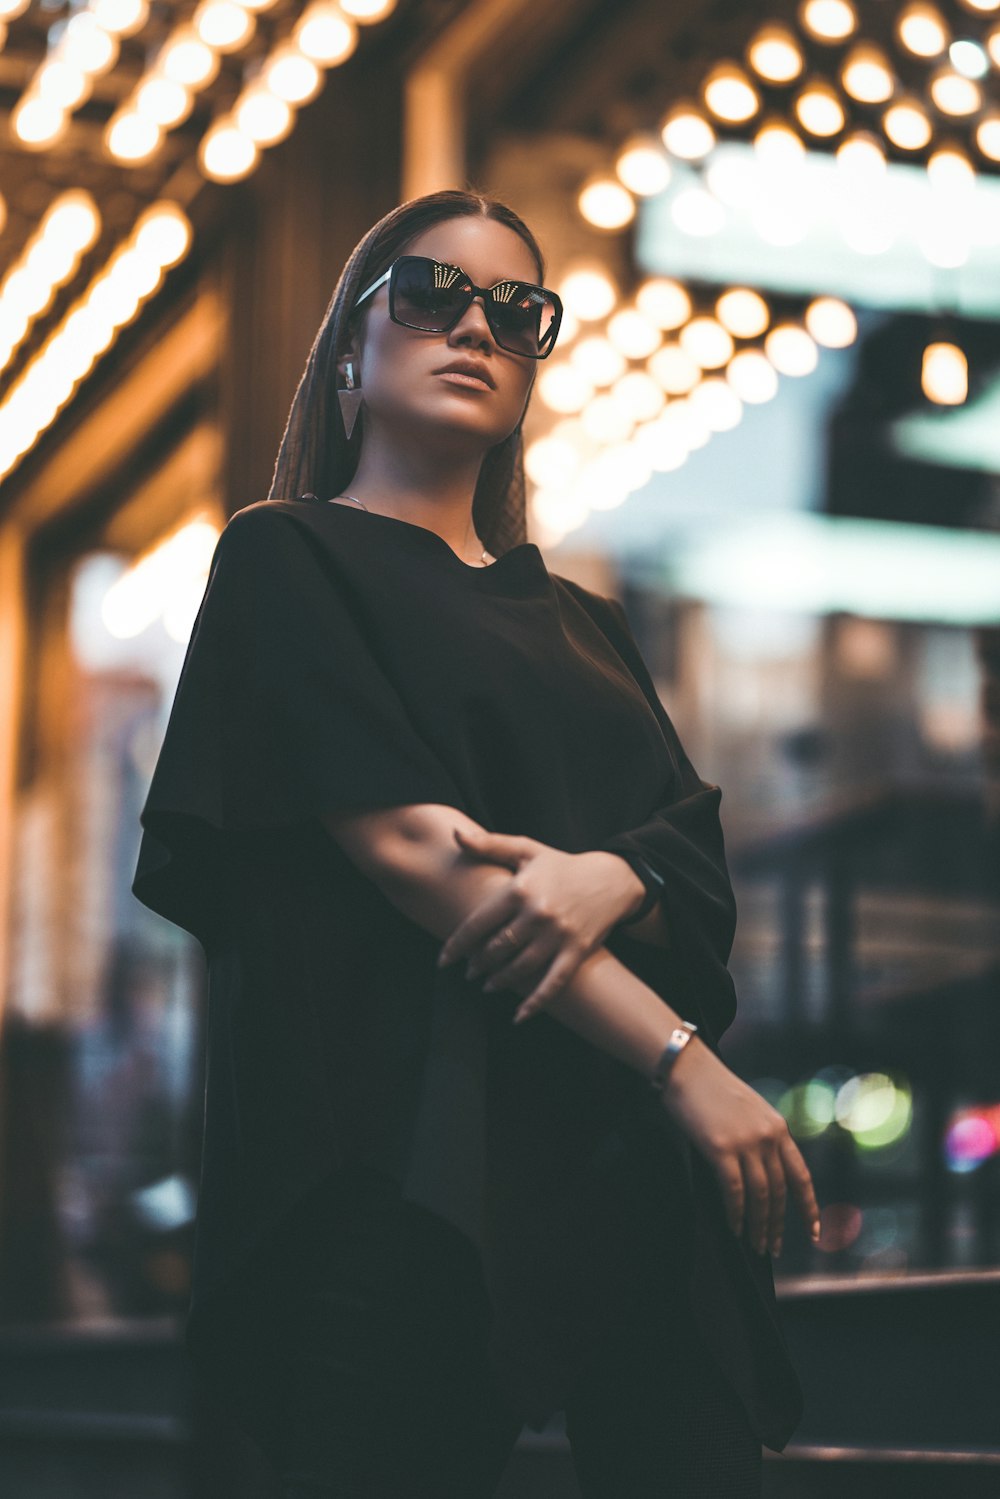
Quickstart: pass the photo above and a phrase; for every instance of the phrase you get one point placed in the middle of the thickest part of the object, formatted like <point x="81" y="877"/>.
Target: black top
<point x="343" y="658"/>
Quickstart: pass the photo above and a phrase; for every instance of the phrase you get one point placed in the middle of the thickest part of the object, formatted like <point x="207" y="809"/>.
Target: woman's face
<point x="401" y="369"/>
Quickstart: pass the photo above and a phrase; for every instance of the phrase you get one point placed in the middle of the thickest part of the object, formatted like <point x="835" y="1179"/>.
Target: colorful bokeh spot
<point x="972" y="1137"/>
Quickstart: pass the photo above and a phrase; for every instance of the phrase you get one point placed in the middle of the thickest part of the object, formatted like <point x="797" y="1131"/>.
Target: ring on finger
<point x="472" y="968"/>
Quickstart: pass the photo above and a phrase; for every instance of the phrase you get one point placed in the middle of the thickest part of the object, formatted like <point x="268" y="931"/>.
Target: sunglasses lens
<point x="428" y="294"/>
<point x="522" y="317"/>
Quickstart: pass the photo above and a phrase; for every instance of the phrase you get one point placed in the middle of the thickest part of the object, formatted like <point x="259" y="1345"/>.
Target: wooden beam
<point x="437" y="91"/>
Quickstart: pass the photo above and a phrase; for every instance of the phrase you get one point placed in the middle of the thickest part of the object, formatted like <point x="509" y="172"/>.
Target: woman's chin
<point x="450" y="424"/>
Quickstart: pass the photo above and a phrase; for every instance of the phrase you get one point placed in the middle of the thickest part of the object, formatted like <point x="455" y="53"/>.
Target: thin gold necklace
<point x="354" y="497"/>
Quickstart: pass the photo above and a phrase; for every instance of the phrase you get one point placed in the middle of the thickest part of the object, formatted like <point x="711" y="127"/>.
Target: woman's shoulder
<point x="597" y="604"/>
<point x="269" y="527"/>
<point x="251" y="517"/>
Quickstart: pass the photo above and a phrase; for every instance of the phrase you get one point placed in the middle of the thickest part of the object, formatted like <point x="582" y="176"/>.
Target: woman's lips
<point x="471" y="382"/>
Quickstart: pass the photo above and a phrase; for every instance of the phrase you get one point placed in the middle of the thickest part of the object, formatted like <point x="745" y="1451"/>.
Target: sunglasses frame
<point x="475" y="291"/>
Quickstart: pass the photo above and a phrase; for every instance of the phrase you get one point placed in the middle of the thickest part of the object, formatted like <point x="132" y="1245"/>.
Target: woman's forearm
<point x="604" y="1001"/>
<point x="411" y="854"/>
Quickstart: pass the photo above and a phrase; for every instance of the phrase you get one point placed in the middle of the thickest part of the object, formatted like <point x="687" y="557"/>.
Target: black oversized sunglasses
<point x="432" y="295"/>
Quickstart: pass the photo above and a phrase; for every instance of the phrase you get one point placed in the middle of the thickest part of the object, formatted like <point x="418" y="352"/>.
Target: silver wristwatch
<point x="679" y="1038"/>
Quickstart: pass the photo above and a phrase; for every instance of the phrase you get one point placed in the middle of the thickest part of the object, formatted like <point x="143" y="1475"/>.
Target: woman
<point x="423" y="1222"/>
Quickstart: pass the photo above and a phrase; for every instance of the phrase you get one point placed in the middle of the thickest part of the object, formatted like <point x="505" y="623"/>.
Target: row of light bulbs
<point x="866" y="72"/>
<point x="188" y="61"/>
<point x="47" y="260"/>
<point x="160" y="238"/>
<point x="832" y="21"/>
<point x="290" y="76"/>
<point x="642" y="166"/>
<point x="80" y="48"/>
<point x="85" y="45"/>
<point x="618" y="425"/>
<point x="586" y="464"/>
<point x="663" y="305"/>
<point x="782" y="204"/>
<point x="698" y="343"/>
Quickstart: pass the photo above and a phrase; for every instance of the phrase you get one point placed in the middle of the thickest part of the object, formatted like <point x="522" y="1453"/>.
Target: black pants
<point x="388" y="1393"/>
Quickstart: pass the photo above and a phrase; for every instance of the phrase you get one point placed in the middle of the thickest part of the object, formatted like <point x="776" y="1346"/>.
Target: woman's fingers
<point x="511" y="949"/>
<point x="538" y="973"/>
<point x="779" y="1195"/>
<point x="755" y="1184"/>
<point x="730" y="1176"/>
<point x="498" y="926"/>
<point x="748" y="1144"/>
<point x="767" y="1170"/>
<point x="801" y="1181"/>
<point x="514" y="968"/>
<point x="557" y="976"/>
<point x="758" y="1192"/>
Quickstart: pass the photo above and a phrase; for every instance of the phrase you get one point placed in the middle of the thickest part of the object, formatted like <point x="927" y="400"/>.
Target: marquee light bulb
<point x="950" y="169"/>
<point x="944" y="374"/>
<point x="707" y="341"/>
<point x="597" y="360"/>
<point x="674" y="369"/>
<point x="988" y="136"/>
<point x="922" y="30"/>
<point x="867" y="74"/>
<point x="831" y="322"/>
<point x="687" y="134"/>
<point x="606" y="204"/>
<point x="324" y="34"/>
<point x="632" y="334"/>
<point x="828" y="20"/>
<point x="791" y="349"/>
<point x="666" y="303"/>
<point x="775" y="55"/>
<point x="862" y="156"/>
<point x="642" y="166"/>
<point x="954" y="94"/>
<point x="226" y="153"/>
<point x="906" y="124"/>
<point x="752" y="376"/>
<point x="819" y="109"/>
<point x="588" y="292"/>
<point x="743" y="312"/>
<point x="730" y="95"/>
<point x="777" y="144"/>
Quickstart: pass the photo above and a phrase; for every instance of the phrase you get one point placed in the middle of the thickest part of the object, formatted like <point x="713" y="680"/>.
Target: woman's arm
<point x="411" y="855"/>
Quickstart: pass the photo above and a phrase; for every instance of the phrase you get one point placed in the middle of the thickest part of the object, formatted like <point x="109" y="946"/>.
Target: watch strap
<point x="653" y="882"/>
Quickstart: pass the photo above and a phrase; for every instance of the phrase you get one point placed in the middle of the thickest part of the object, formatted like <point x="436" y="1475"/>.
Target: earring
<point x="350" y="400"/>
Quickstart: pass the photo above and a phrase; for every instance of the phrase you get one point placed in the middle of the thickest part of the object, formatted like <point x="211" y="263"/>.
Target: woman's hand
<point x="533" y="934"/>
<point x="746" y="1141"/>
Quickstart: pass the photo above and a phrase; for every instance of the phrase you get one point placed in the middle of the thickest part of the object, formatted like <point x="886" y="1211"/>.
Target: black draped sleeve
<point x="682" y="841"/>
<point x="282" y="713"/>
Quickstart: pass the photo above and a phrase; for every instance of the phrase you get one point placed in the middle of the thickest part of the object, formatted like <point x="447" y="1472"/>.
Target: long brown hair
<point x="315" y="454"/>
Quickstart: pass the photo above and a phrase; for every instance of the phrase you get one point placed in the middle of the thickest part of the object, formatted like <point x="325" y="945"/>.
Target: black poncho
<point x="348" y="659"/>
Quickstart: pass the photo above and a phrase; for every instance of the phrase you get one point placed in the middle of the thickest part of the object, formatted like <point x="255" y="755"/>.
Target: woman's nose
<point x="473" y="324"/>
